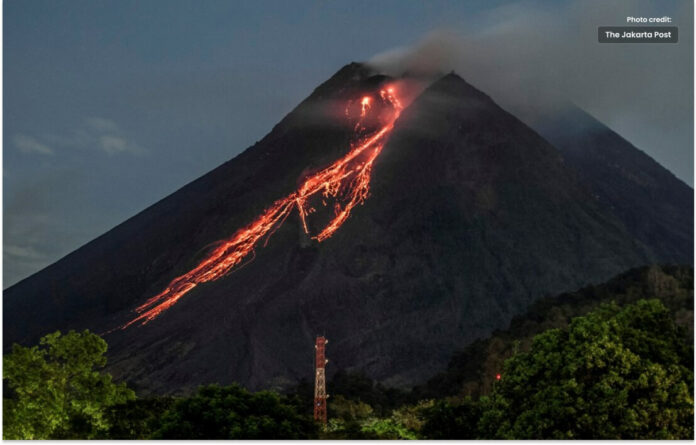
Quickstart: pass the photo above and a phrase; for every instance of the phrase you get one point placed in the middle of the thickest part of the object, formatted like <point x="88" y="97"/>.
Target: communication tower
<point x="320" y="395"/>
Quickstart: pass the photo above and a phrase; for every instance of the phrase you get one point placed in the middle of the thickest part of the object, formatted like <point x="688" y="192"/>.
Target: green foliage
<point x="56" y="389"/>
<point x="356" y="386"/>
<point x="349" y="410"/>
<point x="472" y="371"/>
<point x="355" y="420"/>
<point x="346" y="418"/>
<point x="338" y="428"/>
<point x="232" y="412"/>
<point x="368" y="428"/>
<point x="351" y="419"/>
<point x="452" y="420"/>
<point x="389" y="428"/>
<point x="411" y="416"/>
<point x="136" y="419"/>
<point x="615" y="373"/>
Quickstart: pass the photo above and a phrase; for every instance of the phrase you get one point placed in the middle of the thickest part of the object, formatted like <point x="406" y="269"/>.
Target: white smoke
<point x="533" y="59"/>
<point x="439" y="51"/>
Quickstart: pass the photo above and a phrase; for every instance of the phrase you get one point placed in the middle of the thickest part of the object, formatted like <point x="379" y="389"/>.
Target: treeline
<point x="608" y="362"/>
<point x="56" y="390"/>
<point x="473" y="370"/>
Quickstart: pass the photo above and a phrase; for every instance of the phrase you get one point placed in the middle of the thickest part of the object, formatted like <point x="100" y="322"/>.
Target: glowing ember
<point x="365" y="103"/>
<point x="346" y="182"/>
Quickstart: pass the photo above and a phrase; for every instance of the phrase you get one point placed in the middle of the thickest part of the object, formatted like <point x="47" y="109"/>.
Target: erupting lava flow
<point x="346" y="181"/>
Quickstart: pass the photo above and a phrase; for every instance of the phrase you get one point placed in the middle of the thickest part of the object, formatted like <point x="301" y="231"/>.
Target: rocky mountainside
<point x="656" y="207"/>
<point x="471" y="217"/>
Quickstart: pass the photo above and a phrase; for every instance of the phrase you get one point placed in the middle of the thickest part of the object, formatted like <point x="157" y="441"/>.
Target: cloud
<point x="19" y="262"/>
<point x="40" y="225"/>
<point x="107" y="136"/>
<point x="113" y="144"/>
<point x="23" y="252"/>
<point x="25" y="228"/>
<point x="23" y="259"/>
<point x="34" y="234"/>
<point x="534" y="58"/>
<point x="438" y="51"/>
<point x="102" y="125"/>
<point x="93" y="133"/>
<point x="29" y="145"/>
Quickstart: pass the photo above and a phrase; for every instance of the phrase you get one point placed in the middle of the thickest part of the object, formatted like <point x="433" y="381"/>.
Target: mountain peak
<point x="352" y="69"/>
<point x="453" y="85"/>
<point x="469" y="216"/>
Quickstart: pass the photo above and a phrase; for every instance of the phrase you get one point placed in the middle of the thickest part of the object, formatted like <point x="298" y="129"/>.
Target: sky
<point x="111" y="105"/>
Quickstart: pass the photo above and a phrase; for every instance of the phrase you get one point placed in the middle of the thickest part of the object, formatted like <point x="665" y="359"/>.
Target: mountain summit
<point x="470" y="216"/>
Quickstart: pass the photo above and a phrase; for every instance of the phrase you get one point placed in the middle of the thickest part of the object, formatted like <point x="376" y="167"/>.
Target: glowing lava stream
<point x="347" y="180"/>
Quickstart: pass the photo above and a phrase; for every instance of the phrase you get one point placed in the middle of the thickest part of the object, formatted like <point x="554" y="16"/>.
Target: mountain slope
<point x="472" y="370"/>
<point x="471" y="217"/>
<point x="139" y="257"/>
<point x="656" y="207"/>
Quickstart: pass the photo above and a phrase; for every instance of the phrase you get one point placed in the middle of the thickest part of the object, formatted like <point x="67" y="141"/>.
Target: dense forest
<point x="609" y="361"/>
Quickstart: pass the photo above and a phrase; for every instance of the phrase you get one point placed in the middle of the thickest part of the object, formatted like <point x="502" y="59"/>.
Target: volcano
<point x="401" y="230"/>
<point x="656" y="207"/>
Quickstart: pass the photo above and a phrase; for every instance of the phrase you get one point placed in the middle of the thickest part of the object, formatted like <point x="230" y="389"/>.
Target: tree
<point x="613" y="374"/>
<point x="349" y="410"/>
<point x="389" y="428"/>
<point x="136" y="419"/>
<point x="232" y="412"/>
<point x="357" y="386"/>
<point x="472" y="371"/>
<point x="56" y="390"/>
<point x="346" y="419"/>
<point x="452" y="419"/>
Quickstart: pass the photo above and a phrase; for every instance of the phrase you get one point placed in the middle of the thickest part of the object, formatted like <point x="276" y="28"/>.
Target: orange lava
<point x="346" y="182"/>
<point x="365" y="104"/>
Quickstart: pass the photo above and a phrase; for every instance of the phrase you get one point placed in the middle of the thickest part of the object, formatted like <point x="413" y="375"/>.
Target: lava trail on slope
<point x="346" y="182"/>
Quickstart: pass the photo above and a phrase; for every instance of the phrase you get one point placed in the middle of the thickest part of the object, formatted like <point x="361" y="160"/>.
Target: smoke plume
<point x="535" y="60"/>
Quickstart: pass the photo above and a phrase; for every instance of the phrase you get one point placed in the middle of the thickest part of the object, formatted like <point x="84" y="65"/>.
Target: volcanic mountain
<point x="656" y="207"/>
<point x="468" y="216"/>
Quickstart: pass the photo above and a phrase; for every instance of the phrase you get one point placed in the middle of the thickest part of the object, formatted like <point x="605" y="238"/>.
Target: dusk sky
<point x="111" y="105"/>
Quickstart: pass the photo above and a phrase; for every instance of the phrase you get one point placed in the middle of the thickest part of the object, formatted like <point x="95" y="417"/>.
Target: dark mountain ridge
<point x="656" y="207"/>
<point x="472" y="371"/>
<point x="471" y="217"/>
<point x="171" y="228"/>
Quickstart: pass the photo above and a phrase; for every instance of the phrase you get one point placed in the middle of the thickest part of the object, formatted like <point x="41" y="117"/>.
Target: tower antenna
<point x="320" y="395"/>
